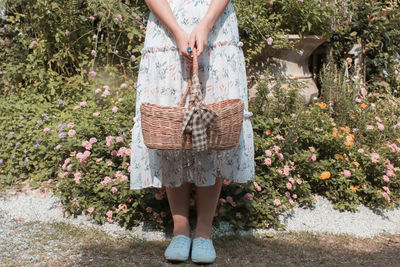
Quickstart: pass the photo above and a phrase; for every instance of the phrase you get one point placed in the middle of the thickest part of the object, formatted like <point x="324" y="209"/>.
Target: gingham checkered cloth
<point x="197" y="118"/>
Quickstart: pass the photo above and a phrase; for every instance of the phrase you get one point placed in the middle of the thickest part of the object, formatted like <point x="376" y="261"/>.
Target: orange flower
<point x="393" y="148"/>
<point x="356" y="163"/>
<point x="340" y="156"/>
<point x="321" y="104"/>
<point x="398" y="140"/>
<point x="296" y="77"/>
<point x="354" y="188"/>
<point x="325" y="175"/>
<point x="268" y="131"/>
<point x="293" y="87"/>
<point x="349" y="140"/>
<point x="379" y="190"/>
<point x="363" y="106"/>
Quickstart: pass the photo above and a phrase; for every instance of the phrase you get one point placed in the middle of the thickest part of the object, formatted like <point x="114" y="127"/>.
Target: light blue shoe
<point x="203" y="250"/>
<point x="179" y="248"/>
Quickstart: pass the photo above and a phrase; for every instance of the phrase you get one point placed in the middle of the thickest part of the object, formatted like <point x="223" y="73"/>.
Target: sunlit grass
<point x="63" y="244"/>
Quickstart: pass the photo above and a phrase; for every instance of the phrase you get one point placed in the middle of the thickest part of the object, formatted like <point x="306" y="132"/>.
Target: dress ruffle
<point x="155" y="49"/>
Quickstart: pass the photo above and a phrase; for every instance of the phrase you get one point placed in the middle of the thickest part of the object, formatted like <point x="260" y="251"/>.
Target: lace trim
<point x="154" y="49"/>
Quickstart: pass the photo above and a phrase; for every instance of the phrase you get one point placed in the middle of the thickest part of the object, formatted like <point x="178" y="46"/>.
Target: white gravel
<point x="36" y="206"/>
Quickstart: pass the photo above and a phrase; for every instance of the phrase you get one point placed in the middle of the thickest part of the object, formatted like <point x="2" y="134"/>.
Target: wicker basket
<point x="161" y="125"/>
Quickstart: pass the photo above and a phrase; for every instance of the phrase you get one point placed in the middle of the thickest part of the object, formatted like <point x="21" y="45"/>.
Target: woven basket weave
<point x="162" y="125"/>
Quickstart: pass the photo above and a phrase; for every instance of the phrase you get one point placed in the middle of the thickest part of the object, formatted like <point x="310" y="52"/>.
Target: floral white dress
<point x="162" y="80"/>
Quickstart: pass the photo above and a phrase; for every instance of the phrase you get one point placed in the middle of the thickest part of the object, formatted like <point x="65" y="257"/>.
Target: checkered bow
<point x="198" y="118"/>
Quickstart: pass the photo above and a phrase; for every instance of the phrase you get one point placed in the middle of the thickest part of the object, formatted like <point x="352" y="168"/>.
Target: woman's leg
<point x="206" y="203"/>
<point x="178" y="198"/>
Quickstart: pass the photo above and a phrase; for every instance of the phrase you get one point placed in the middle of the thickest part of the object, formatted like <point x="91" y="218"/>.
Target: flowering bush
<point x="375" y="26"/>
<point x="67" y="126"/>
<point x="21" y="134"/>
<point x="332" y="159"/>
<point x="83" y="155"/>
<point x="67" y="42"/>
<point x="263" y="23"/>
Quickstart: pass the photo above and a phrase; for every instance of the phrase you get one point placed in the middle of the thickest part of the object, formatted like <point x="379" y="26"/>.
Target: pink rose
<point x="258" y="188"/>
<point x="114" y="190"/>
<point x="71" y="133"/>
<point x="249" y="196"/>
<point x="92" y="74"/>
<point x="313" y="157"/>
<point x="375" y="157"/>
<point x="289" y="186"/>
<point x="386" y="179"/>
<point x="267" y="162"/>
<point x="347" y="173"/>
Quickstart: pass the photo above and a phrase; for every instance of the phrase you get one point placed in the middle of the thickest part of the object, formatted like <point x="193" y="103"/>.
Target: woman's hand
<point x="182" y="39"/>
<point x="163" y="12"/>
<point x="199" y="37"/>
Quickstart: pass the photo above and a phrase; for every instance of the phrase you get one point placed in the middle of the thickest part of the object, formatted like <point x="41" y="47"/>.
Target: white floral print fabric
<point x="162" y="80"/>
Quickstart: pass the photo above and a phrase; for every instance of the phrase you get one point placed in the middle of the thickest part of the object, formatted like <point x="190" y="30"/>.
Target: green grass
<point x="62" y="244"/>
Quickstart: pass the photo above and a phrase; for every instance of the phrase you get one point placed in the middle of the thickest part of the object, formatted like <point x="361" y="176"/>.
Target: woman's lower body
<point x="162" y="80"/>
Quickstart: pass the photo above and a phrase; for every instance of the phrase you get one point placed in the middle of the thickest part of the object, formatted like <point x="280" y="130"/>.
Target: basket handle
<point x="193" y="69"/>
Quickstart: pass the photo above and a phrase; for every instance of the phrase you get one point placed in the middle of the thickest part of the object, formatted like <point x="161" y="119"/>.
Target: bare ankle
<point x="182" y="229"/>
<point x="202" y="231"/>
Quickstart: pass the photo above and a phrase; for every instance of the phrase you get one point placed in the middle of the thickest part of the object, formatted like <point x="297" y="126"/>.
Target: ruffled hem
<point x="154" y="49"/>
<point x="241" y="181"/>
